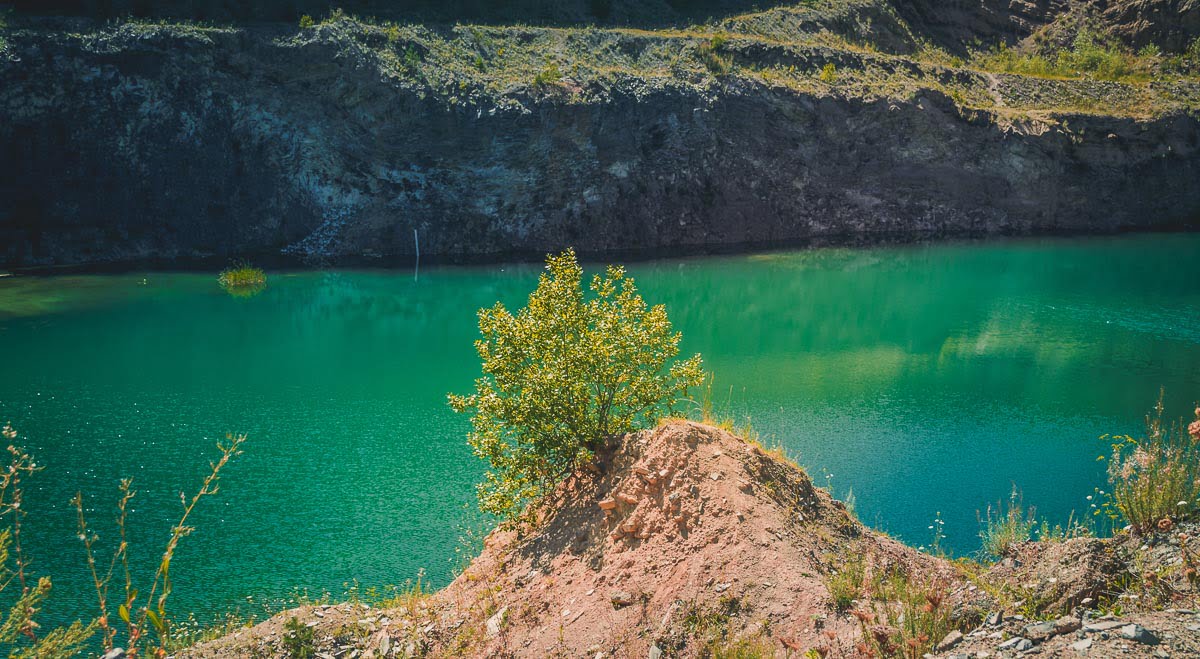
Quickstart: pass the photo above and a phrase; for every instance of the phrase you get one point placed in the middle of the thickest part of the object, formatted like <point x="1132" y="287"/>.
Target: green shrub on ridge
<point x="562" y="376"/>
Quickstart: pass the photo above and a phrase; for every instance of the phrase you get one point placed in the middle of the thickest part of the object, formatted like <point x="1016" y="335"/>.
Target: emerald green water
<point x="928" y="378"/>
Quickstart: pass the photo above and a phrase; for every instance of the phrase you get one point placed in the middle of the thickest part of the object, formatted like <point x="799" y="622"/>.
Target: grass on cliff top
<point x="846" y="48"/>
<point x="487" y="65"/>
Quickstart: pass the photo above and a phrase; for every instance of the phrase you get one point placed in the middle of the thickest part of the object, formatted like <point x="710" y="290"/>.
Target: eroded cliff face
<point x="141" y="142"/>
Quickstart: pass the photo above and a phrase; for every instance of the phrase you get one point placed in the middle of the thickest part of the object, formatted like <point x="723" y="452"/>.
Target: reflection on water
<point x="927" y="378"/>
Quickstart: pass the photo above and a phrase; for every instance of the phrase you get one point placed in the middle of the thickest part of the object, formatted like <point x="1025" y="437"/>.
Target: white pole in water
<point x="417" y="265"/>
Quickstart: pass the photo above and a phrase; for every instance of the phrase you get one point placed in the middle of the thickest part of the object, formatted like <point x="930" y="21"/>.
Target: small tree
<point x="565" y="374"/>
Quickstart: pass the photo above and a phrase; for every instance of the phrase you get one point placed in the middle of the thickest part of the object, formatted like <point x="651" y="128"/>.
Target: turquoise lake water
<point x="927" y="378"/>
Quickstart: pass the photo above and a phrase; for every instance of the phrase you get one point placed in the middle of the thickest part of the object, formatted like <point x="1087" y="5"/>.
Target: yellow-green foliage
<point x="306" y="21"/>
<point x="299" y="640"/>
<point x="149" y="631"/>
<point x="148" y="627"/>
<point x="1155" y="479"/>
<point x="1006" y="525"/>
<point x="846" y="584"/>
<point x="1090" y="55"/>
<point x="20" y="633"/>
<point x="243" y="280"/>
<point x="711" y="57"/>
<point x="548" y="76"/>
<point x="708" y="631"/>
<point x="564" y="374"/>
<point x="829" y="73"/>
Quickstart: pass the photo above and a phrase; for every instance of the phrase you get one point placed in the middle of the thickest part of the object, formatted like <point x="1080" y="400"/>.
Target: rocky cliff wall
<point x="142" y="142"/>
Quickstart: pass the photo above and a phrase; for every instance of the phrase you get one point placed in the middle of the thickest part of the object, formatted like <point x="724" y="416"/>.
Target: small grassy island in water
<point x="243" y="280"/>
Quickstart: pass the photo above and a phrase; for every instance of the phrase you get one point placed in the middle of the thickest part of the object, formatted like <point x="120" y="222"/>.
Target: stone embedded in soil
<point x="620" y="598"/>
<point x="1139" y="634"/>
<point x="994" y="619"/>
<point x="952" y="639"/>
<point x="1082" y="645"/>
<point x="1016" y="643"/>
<point x="1103" y="626"/>
<point x="1066" y="625"/>
<point x="607" y="504"/>
<point x="1039" y="631"/>
<point x="496" y="622"/>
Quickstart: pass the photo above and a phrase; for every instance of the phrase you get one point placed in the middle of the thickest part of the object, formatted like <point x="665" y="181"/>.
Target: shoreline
<point x="405" y="263"/>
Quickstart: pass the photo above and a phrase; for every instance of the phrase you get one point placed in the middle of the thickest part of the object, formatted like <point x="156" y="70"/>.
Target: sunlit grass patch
<point x="1156" y="478"/>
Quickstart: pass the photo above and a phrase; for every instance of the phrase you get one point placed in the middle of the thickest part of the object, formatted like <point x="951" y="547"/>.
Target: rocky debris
<point x="1016" y="643"/>
<point x="1062" y="574"/>
<point x="1135" y="632"/>
<point x="1171" y="633"/>
<point x="952" y="639"/>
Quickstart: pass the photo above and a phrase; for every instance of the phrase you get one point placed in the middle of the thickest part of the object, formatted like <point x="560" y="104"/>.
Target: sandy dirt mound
<point x="683" y="529"/>
<point x="676" y="541"/>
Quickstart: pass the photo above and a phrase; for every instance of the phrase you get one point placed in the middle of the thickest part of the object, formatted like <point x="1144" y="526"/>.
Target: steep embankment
<point x="687" y="541"/>
<point x="130" y="140"/>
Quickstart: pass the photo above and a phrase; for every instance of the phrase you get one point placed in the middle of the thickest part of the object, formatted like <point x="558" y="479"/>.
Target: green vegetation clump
<point x="1091" y="55"/>
<point x="243" y="280"/>
<point x="829" y="73"/>
<point x="548" y="76"/>
<point x="306" y="21"/>
<point x="710" y="56"/>
<point x="1155" y="479"/>
<point x="845" y="585"/>
<point x="299" y="640"/>
<point x="1006" y="526"/>
<point x="708" y="628"/>
<point x="562" y="376"/>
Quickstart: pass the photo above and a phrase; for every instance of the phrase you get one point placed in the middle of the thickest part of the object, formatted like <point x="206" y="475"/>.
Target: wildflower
<point x="863" y="616"/>
<point x="8" y="432"/>
<point x="1181" y="503"/>
<point x="1194" y="429"/>
<point x="1142" y="456"/>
